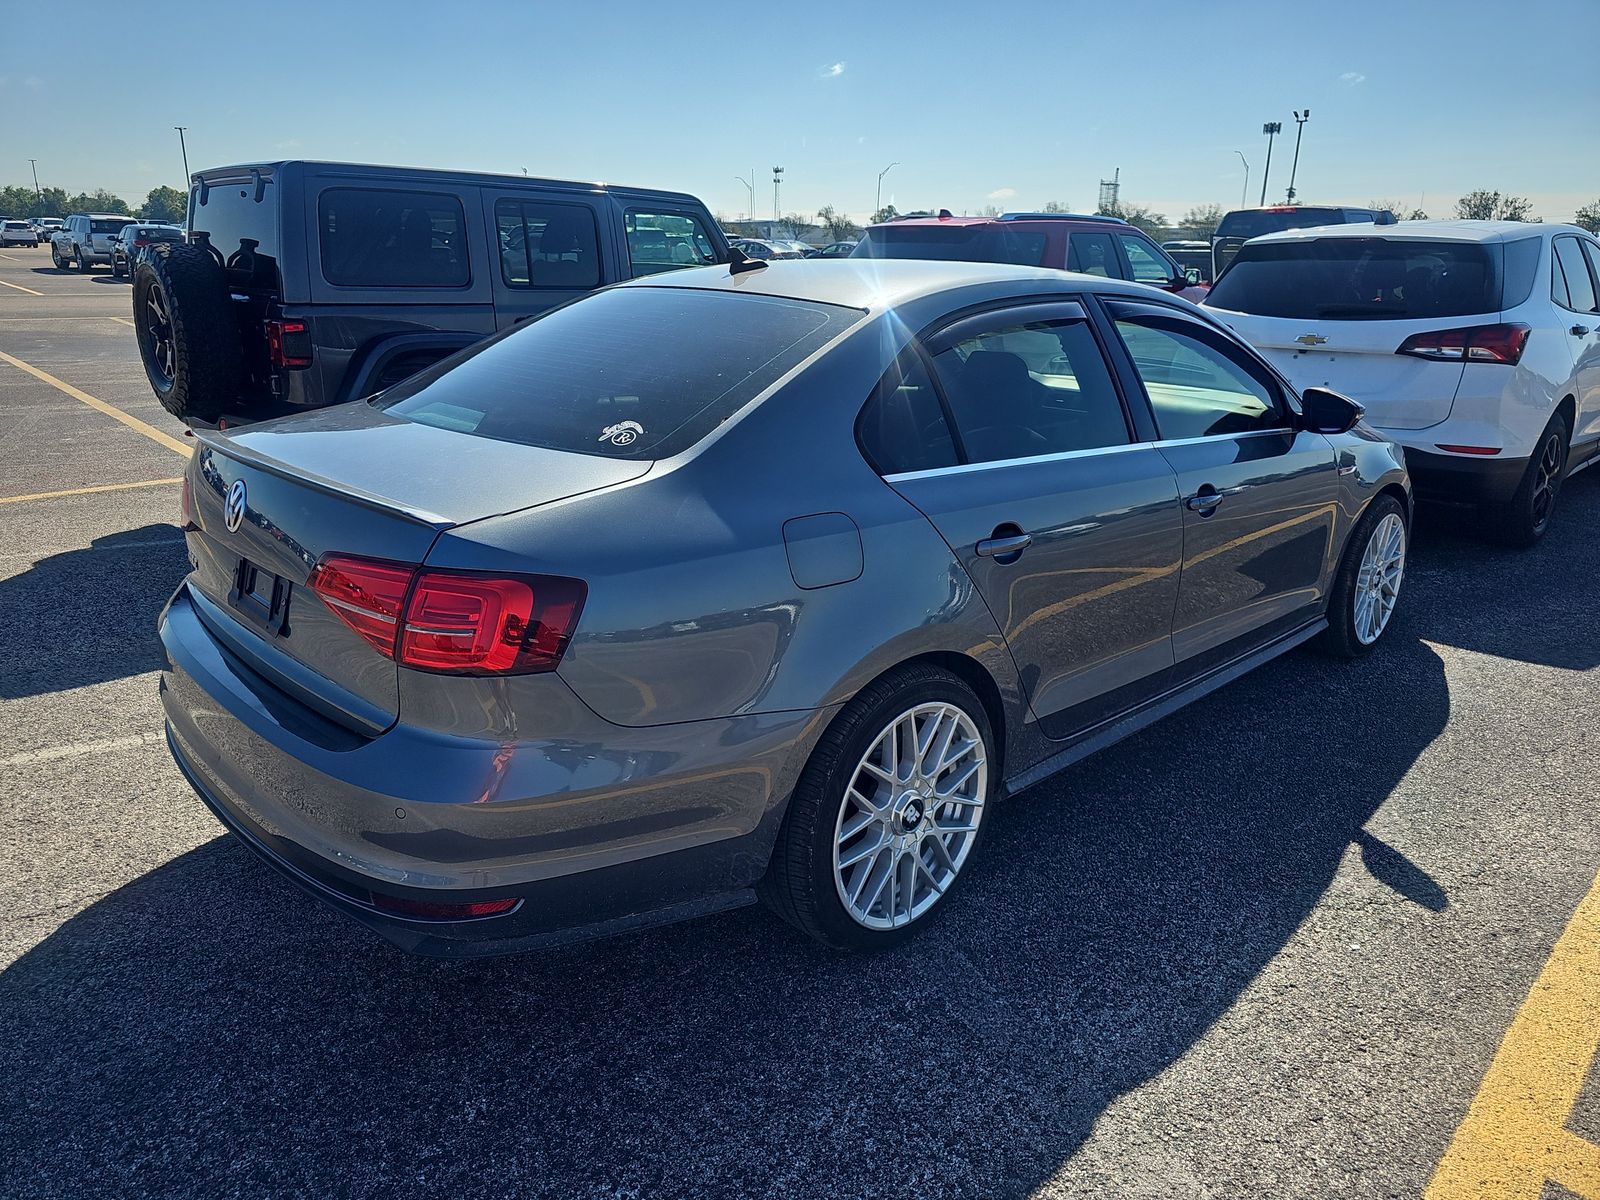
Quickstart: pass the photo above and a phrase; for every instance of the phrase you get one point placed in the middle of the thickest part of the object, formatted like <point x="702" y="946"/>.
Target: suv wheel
<point x="55" y="257"/>
<point x="888" y="811"/>
<point x="183" y="319"/>
<point x="1367" y="585"/>
<point x="1526" y="518"/>
<point x="83" y="262"/>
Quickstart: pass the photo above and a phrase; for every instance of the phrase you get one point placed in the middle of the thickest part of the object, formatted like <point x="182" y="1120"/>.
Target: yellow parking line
<point x="123" y="320"/>
<point x="20" y="288"/>
<point x="132" y="422"/>
<point x="86" y="491"/>
<point x="1514" y="1137"/>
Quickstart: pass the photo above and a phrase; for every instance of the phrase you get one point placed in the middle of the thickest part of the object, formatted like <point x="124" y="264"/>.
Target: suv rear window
<point x="954" y="243"/>
<point x="108" y="225"/>
<point x="1360" y="279"/>
<point x="16" y="225"/>
<point x="636" y="373"/>
<point x="373" y="238"/>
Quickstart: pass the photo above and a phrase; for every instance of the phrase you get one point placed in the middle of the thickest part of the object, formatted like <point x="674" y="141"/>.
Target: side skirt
<point x="1114" y="730"/>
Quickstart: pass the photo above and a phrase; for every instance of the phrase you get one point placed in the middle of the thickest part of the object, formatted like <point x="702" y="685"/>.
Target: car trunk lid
<point x="351" y="481"/>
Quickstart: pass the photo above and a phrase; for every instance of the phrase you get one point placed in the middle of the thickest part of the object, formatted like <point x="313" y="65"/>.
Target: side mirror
<point x="1192" y="276"/>
<point x="1325" y="411"/>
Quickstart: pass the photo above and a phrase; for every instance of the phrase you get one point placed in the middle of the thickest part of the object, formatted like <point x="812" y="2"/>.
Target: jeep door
<point x="544" y="250"/>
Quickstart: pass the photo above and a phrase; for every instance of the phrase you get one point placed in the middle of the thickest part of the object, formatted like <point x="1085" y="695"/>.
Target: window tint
<point x="1521" y="270"/>
<point x="1024" y="389"/>
<point x="372" y="238"/>
<point x="1360" y="279"/>
<point x="110" y="224"/>
<point x="903" y="427"/>
<point x="1592" y="252"/>
<point x="547" y="245"/>
<point x="1198" y="385"/>
<point x="666" y="242"/>
<point x="996" y="243"/>
<point x="1577" y="292"/>
<point x="1146" y="264"/>
<point x="1093" y="254"/>
<point x="641" y="372"/>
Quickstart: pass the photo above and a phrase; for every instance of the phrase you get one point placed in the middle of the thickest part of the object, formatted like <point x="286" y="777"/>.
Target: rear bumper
<point x="1464" y="479"/>
<point x="601" y="829"/>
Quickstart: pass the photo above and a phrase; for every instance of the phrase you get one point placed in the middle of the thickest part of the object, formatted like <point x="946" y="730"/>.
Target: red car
<point x="1106" y="246"/>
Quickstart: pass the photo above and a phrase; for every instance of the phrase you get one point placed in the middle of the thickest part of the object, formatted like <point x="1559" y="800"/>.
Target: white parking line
<point x="20" y="288"/>
<point x="75" y="749"/>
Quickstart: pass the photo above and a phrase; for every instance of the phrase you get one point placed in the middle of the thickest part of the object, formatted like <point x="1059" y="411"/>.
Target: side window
<point x="1147" y="264"/>
<point x="1093" y="254"/>
<point x="903" y="428"/>
<point x="372" y="238"/>
<point x="1021" y="389"/>
<point x="1592" y="252"/>
<point x="666" y="242"/>
<point x="547" y="245"/>
<point x="1577" y="290"/>
<point x="1198" y="384"/>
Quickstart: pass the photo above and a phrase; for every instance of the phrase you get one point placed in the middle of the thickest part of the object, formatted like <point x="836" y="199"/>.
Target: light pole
<point x="34" y="163"/>
<point x="1244" y="192"/>
<point x="777" y="178"/>
<point x="184" y="147"/>
<point x="1271" y="129"/>
<point x="878" y="207"/>
<point x="751" y="185"/>
<point x="1300" y="120"/>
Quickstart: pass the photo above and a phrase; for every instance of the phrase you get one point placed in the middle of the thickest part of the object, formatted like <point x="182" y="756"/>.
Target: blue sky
<point x="1012" y="104"/>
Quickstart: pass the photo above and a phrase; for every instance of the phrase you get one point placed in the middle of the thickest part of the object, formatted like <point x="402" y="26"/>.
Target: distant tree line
<point x="162" y="204"/>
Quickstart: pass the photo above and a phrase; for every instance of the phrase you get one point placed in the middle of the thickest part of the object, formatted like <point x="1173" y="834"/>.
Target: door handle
<point x="1004" y="547"/>
<point x="1580" y="331"/>
<point x="1204" y="501"/>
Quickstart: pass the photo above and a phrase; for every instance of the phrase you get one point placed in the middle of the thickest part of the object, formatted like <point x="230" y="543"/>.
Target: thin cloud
<point x="1352" y="78"/>
<point x="833" y="71"/>
<point x="1002" y="193"/>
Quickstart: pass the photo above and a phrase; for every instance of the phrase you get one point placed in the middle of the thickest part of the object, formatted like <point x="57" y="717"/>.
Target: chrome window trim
<point x="1058" y="456"/>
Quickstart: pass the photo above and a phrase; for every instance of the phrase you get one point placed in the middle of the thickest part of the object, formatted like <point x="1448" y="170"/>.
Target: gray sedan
<point x="767" y="580"/>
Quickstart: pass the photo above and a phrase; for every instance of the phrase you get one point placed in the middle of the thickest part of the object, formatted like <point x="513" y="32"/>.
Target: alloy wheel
<point x="1546" y="479"/>
<point x="910" y="815"/>
<point x="160" y="328"/>
<point x="1383" y="567"/>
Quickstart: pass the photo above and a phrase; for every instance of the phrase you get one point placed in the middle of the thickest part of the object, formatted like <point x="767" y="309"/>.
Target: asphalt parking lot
<point x="1336" y="934"/>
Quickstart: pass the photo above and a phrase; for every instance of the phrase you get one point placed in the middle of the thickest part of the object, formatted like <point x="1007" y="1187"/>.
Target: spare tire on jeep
<point x="183" y="317"/>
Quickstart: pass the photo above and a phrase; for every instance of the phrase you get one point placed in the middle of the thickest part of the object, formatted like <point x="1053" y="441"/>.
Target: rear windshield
<point x="954" y="243"/>
<point x="1360" y="278"/>
<point x="16" y="224"/>
<point x="108" y="225"/>
<point x="242" y="229"/>
<point x="632" y="373"/>
<point x="1253" y="222"/>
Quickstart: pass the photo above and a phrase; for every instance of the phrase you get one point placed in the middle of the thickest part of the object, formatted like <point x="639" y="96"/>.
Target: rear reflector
<point x="440" y="911"/>
<point x="1485" y="450"/>
<point x="455" y="622"/>
<point x="1474" y="343"/>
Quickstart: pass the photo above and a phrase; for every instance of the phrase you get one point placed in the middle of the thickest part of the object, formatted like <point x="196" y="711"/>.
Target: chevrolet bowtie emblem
<point x="1310" y="339"/>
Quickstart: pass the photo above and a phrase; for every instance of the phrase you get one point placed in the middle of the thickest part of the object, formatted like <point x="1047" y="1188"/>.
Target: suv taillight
<point x="454" y="622"/>
<point x="1473" y="343"/>
<point x="288" y="343"/>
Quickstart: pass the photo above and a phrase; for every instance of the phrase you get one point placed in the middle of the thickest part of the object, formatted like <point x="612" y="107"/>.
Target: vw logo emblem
<point x="233" y="508"/>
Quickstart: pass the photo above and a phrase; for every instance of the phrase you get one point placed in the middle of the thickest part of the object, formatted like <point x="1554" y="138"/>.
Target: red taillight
<point x="367" y="595"/>
<point x="288" y="344"/>
<point x="438" y="910"/>
<point x="1483" y="450"/>
<point x="454" y="621"/>
<point x="139" y="241"/>
<point x="1472" y="343"/>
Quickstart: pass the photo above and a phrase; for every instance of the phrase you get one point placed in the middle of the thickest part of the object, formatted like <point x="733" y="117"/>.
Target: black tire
<point x="83" y="262"/>
<point x="192" y="359"/>
<point x="800" y="882"/>
<point x="116" y="267"/>
<point x="60" y="263"/>
<point x="1526" y="518"/>
<point x="1344" y="636"/>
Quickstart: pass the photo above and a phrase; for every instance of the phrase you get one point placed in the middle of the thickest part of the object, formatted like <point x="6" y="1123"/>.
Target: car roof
<point x="1432" y="231"/>
<point x="433" y="175"/>
<point x="876" y="284"/>
<point x="1007" y="219"/>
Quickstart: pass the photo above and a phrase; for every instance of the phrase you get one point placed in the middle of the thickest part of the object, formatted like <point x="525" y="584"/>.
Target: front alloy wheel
<point x="911" y="814"/>
<point x="1383" y="566"/>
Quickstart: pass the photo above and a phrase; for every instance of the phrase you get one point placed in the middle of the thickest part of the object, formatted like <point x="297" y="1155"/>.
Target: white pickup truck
<point x="86" y="240"/>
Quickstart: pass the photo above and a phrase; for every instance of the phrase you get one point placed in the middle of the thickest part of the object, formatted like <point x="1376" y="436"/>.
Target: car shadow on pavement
<point x="88" y="615"/>
<point x="207" y="1028"/>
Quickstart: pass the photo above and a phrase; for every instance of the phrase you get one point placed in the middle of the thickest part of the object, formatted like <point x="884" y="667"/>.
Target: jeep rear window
<point x="376" y="238"/>
<point x="633" y="372"/>
<point x="1360" y="279"/>
<point x="230" y="215"/>
<point x="953" y="243"/>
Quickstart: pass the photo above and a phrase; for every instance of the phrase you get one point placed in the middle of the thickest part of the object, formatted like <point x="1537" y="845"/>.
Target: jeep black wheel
<point x="187" y="337"/>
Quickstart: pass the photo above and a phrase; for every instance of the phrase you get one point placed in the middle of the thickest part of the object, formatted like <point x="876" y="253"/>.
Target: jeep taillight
<point x="1473" y="343"/>
<point x="288" y="343"/>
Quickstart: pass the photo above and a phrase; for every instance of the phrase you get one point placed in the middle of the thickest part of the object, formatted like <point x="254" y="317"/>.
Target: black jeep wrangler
<point x="304" y="284"/>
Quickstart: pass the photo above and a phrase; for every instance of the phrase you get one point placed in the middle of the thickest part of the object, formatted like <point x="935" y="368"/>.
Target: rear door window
<point x="667" y="241"/>
<point x="633" y="372"/>
<point x="903" y="427"/>
<point x="1571" y="285"/>
<point x="1360" y="279"/>
<point x="374" y="238"/>
<point x="543" y="244"/>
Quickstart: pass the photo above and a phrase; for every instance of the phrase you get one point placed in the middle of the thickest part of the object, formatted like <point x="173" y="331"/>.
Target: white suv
<point x="1474" y="344"/>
